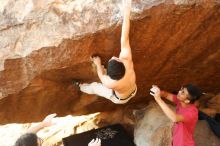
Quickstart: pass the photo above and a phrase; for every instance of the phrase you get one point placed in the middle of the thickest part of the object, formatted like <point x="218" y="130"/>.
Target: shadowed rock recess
<point x="44" y="44"/>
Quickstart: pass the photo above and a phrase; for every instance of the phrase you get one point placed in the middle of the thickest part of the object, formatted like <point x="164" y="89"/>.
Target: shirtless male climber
<point x="118" y="81"/>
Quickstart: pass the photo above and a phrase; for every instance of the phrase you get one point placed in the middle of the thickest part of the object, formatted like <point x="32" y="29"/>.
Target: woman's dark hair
<point x="115" y="69"/>
<point x="194" y="92"/>
<point x="28" y="139"/>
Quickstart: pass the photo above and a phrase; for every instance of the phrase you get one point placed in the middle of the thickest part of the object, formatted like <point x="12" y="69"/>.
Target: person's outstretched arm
<point x="165" y="94"/>
<point x="45" y="123"/>
<point x="166" y="109"/>
<point x="125" y="44"/>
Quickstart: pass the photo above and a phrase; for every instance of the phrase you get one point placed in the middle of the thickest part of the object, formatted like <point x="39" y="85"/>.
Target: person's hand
<point x="95" y="142"/>
<point x="96" y="60"/>
<point x="155" y="92"/>
<point x="48" y="120"/>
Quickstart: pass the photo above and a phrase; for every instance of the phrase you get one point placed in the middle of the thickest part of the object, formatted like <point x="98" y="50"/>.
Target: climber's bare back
<point x="125" y="86"/>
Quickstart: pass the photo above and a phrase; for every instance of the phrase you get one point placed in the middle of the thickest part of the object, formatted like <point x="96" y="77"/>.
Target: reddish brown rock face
<point x="171" y="45"/>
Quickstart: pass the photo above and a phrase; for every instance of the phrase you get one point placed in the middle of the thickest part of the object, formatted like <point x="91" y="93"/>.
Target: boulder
<point x="44" y="44"/>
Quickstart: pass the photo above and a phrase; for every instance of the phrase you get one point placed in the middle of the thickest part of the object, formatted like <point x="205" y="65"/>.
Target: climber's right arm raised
<point x="125" y="44"/>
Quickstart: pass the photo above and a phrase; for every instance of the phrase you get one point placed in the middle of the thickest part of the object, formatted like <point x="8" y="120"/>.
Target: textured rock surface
<point x="45" y="44"/>
<point x="204" y="136"/>
<point x="209" y="104"/>
<point x="155" y="129"/>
